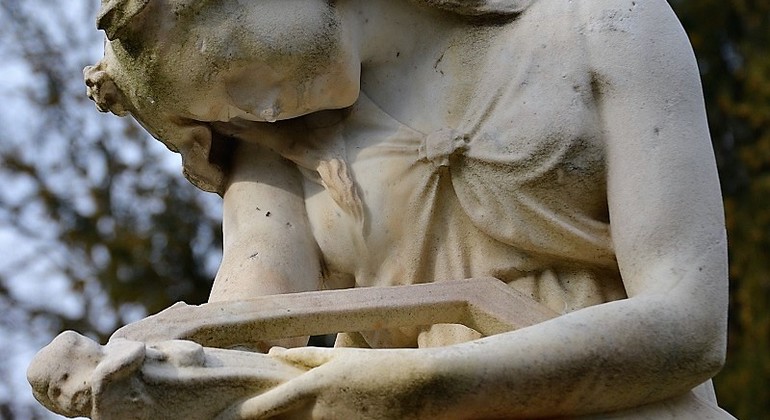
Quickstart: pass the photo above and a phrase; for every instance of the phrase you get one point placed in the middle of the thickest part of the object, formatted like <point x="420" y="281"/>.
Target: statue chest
<point x="517" y="184"/>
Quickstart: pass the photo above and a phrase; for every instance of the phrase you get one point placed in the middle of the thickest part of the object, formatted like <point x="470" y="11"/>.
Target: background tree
<point x="97" y="227"/>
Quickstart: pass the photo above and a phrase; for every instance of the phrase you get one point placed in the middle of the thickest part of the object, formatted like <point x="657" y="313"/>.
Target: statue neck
<point x="411" y="53"/>
<point x="390" y="31"/>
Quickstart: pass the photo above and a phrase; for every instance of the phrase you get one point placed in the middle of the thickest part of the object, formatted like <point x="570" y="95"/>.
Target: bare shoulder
<point x="627" y="16"/>
<point x="628" y="37"/>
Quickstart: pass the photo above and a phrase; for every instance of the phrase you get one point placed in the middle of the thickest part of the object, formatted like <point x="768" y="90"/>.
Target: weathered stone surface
<point x="558" y="146"/>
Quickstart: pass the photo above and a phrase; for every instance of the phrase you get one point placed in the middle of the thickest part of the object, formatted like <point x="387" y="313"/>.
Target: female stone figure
<point x="560" y="146"/>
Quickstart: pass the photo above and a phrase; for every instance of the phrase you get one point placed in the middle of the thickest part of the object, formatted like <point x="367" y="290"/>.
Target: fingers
<point x="128" y="332"/>
<point x="290" y="396"/>
<point x="306" y="357"/>
<point x="179" y="304"/>
<point x="277" y="351"/>
<point x="159" y="327"/>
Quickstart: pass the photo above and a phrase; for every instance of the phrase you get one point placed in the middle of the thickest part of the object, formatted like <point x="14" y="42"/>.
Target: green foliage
<point x="732" y="42"/>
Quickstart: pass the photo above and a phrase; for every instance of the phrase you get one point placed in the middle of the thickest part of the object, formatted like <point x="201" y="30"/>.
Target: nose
<point x="101" y="89"/>
<point x="93" y="78"/>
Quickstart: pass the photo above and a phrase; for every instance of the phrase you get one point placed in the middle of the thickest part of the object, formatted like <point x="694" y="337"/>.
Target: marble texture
<point x="180" y="379"/>
<point x="560" y="147"/>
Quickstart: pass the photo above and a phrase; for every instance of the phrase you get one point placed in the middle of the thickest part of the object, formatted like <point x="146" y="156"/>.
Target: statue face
<point x="218" y="60"/>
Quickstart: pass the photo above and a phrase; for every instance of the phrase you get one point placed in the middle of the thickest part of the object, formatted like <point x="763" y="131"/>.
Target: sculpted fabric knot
<point x="440" y="145"/>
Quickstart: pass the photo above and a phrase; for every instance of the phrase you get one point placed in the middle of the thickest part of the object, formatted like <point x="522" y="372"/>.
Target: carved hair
<point x="479" y="8"/>
<point x="115" y="15"/>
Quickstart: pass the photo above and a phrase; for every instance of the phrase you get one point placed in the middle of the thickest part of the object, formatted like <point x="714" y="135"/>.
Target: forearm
<point x="253" y="270"/>
<point x="603" y="358"/>
<point x="268" y="246"/>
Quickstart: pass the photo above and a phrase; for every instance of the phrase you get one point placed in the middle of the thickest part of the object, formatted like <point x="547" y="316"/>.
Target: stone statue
<point x="127" y="380"/>
<point x="131" y="380"/>
<point x="558" y="146"/>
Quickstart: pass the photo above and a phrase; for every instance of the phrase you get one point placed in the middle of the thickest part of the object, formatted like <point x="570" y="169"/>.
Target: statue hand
<point x="169" y="324"/>
<point x="352" y="383"/>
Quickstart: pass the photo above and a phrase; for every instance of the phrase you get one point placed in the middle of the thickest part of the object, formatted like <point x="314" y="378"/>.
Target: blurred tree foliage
<point x="105" y="232"/>
<point x="104" y="215"/>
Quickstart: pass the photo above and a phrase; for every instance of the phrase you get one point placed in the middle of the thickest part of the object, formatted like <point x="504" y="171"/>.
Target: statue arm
<point x="268" y="250"/>
<point x="668" y="231"/>
<point x="268" y="246"/>
<point x="667" y="228"/>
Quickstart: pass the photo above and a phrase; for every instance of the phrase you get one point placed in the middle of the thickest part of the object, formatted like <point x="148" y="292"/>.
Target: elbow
<point x="704" y="366"/>
<point x="690" y="337"/>
<point x="713" y="358"/>
<point x="689" y="360"/>
<point x="698" y="322"/>
<point x="702" y="345"/>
